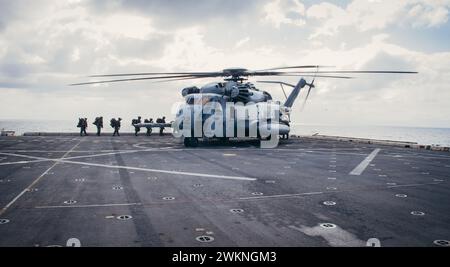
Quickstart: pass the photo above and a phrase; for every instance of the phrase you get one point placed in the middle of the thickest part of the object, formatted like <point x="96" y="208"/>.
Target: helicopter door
<point x="244" y="115"/>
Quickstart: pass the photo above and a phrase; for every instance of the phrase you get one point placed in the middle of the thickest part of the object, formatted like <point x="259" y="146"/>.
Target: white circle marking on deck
<point x="236" y="210"/>
<point x="204" y="238"/>
<point x="124" y="217"/>
<point x="327" y="225"/>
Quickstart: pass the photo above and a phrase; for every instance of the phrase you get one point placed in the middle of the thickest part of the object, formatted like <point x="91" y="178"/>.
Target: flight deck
<point x="152" y="191"/>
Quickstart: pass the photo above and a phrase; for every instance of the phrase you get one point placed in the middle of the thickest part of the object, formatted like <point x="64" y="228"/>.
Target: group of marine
<point x="116" y="123"/>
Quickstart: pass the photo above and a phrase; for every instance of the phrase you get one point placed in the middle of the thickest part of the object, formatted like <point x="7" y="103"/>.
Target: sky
<point x="46" y="45"/>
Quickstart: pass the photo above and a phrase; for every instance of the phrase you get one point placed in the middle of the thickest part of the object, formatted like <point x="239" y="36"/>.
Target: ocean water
<point x="421" y="135"/>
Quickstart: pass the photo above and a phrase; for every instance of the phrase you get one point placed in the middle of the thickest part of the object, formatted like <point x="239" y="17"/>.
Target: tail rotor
<point x="310" y="85"/>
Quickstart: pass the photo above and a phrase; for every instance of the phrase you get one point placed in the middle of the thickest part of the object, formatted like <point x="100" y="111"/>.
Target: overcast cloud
<point x="46" y="45"/>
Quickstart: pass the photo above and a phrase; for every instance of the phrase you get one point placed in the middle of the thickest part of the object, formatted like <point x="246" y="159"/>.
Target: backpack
<point x="113" y="123"/>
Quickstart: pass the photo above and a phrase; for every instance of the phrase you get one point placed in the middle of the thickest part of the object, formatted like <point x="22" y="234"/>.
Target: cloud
<point x="125" y="25"/>
<point x="45" y="45"/>
<point x="68" y="39"/>
<point x="377" y="15"/>
<point x="388" y="99"/>
<point x="242" y="42"/>
<point x="428" y="15"/>
<point x="178" y="13"/>
<point x="280" y="12"/>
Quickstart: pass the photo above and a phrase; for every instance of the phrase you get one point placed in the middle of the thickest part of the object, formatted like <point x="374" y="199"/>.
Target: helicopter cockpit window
<point x="202" y="100"/>
<point x="190" y="100"/>
<point x="206" y="99"/>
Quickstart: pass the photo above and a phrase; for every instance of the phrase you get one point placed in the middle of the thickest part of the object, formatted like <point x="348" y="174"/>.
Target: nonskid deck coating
<point x="56" y="188"/>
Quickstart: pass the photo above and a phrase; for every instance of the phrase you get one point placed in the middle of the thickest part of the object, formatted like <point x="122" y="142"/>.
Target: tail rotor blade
<point x="306" y="98"/>
<point x="311" y="85"/>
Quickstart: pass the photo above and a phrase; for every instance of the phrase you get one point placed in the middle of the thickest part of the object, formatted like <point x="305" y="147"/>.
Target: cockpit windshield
<point x="202" y="99"/>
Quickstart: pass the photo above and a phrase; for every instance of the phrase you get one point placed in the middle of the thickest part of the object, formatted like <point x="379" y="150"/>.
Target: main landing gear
<point x="190" y="141"/>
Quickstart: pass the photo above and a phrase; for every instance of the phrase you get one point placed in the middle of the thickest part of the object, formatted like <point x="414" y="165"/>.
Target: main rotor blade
<point x="265" y="72"/>
<point x="182" y="79"/>
<point x="361" y="71"/>
<point x="297" y="67"/>
<point x="156" y="73"/>
<point x="292" y="73"/>
<point x="320" y="76"/>
<point x="137" y="79"/>
<point x="187" y="73"/>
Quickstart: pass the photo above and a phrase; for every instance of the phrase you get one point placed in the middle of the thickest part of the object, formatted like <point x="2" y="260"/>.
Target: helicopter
<point x="235" y="107"/>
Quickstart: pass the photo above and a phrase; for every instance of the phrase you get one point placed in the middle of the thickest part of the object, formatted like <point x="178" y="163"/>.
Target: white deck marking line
<point x="35" y="181"/>
<point x="318" y="193"/>
<point x="25" y="156"/>
<point x="180" y="149"/>
<point x="64" y="151"/>
<point x="90" y="206"/>
<point x="22" y="162"/>
<point x="105" y="154"/>
<point x="282" y="196"/>
<point x="407" y="185"/>
<point x="363" y="165"/>
<point x="140" y="169"/>
<point x="119" y="152"/>
<point x="162" y="171"/>
<point x="75" y="157"/>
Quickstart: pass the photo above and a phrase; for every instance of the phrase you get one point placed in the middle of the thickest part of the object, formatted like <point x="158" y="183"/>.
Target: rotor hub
<point x="235" y="73"/>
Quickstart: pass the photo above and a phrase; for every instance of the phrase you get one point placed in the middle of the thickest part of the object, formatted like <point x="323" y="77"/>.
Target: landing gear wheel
<point x="190" y="142"/>
<point x="262" y="139"/>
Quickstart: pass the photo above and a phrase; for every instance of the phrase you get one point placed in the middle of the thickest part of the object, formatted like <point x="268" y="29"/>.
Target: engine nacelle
<point x="190" y="90"/>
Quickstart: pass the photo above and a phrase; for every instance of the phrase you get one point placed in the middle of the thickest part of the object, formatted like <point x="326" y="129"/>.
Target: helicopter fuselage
<point x="229" y="109"/>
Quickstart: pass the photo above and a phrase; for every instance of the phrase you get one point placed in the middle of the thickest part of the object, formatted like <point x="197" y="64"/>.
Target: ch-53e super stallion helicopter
<point x="234" y="107"/>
